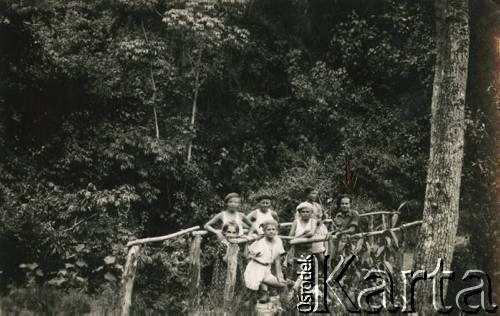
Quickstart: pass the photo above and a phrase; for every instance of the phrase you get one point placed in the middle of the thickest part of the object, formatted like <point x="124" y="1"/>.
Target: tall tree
<point x="204" y="36"/>
<point x="483" y="95"/>
<point x="440" y="215"/>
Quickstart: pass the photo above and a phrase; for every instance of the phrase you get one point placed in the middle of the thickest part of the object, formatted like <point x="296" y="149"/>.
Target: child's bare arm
<point x="292" y="230"/>
<point x="250" y="217"/>
<point x="245" y="250"/>
<point x="274" y="214"/>
<point x="253" y="230"/>
<point x="307" y="234"/>
<point x="252" y="253"/>
<point x="246" y="221"/>
<point x="208" y="226"/>
<point x="316" y="229"/>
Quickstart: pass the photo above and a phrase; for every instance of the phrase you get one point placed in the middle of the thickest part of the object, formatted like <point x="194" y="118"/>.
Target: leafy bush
<point x="45" y="301"/>
<point x="96" y="99"/>
<point x="162" y="283"/>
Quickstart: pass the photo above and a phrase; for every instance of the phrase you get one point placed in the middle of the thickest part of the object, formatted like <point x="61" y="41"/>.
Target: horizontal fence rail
<point x="196" y="230"/>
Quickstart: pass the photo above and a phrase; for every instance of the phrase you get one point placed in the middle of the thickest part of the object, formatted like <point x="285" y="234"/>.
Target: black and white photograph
<point x="249" y="157"/>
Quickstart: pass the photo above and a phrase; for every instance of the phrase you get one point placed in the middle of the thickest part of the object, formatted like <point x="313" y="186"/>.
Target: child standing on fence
<point x="230" y="214"/>
<point x="262" y="214"/>
<point x="262" y="254"/>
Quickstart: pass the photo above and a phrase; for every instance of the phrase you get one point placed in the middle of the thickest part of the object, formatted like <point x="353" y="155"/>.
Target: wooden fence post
<point x="232" y="264"/>
<point x="127" y="283"/>
<point x="279" y="273"/>
<point x="194" y="256"/>
<point x="371" y="227"/>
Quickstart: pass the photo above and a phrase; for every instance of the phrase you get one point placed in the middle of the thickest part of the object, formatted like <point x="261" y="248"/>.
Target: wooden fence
<point x="388" y="222"/>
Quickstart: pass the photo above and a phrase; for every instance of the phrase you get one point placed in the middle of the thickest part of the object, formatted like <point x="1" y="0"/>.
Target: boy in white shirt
<point x="262" y="254"/>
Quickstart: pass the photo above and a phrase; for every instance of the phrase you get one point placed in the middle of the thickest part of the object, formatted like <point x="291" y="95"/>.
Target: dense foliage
<point x="97" y="97"/>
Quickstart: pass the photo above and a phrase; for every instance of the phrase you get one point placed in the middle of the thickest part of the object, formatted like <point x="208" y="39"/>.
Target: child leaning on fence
<point x="305" y="226"/>
<point x="318" y="248"/>
<point x="262" y="254"/>
<point x="229" y="230"/>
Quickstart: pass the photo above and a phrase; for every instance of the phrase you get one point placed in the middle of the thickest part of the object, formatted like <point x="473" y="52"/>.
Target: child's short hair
<point x="226" y="226"/>
<point x="269" y="222"/>
<point x="343" y="196"/>
<point x="264" y="197"/>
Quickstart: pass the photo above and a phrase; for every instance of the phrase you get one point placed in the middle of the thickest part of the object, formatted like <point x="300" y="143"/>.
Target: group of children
<point x="262" y="226"/>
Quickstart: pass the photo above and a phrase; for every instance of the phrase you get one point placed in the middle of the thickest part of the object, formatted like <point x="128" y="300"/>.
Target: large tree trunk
<point x="440" y="215"/>
<point x="484" y="71"/>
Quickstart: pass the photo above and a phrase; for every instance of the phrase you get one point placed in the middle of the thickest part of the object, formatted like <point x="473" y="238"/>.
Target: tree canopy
<point x="96" y="100"/>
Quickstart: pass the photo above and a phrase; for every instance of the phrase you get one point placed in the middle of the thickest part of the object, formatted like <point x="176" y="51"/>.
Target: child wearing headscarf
<point x="311" y="197"/>
<point x="305" y="226"/>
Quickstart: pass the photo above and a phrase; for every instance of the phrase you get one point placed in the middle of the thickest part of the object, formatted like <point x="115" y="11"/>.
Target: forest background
<point x="125" y="119"/>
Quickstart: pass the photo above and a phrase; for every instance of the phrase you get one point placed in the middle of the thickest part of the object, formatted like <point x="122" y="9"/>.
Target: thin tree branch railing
<point x="360" y="215"/>
<point x="196" y="231"/>
<point x="162" y="238"/>
<point x="297" y="241"/>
